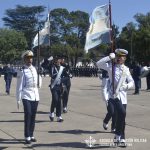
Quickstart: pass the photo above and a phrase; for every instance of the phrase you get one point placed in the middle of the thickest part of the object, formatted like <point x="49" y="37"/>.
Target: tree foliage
<point x="24" y="19"/>
<point x="135" y="37"/>
<point x="68" y="32"/>
<point x="68" y="29"/>
<point x="12" y="43"/>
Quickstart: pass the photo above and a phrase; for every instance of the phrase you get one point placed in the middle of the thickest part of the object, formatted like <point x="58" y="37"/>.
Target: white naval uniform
<point x="127" y="83"/>
<point x="105" y="87"/>
<point x="27" y="81"/>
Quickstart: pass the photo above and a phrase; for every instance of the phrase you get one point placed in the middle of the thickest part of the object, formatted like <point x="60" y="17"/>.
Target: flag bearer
<point x="122" y="82"/>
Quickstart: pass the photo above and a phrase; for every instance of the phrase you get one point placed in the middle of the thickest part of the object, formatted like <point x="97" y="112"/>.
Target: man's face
<point x="57" y="62"/>
<point x="120" y="59"/>
<point x="28" y="60"/>
<point x="62" y="60"/>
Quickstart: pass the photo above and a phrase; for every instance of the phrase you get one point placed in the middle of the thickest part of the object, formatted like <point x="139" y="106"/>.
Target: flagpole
<point x="112" y="45"/>
<point x="49" y="34"/>
<point x="38" y="57"/>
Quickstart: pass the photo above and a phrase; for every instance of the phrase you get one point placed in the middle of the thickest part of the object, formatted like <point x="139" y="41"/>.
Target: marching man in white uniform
<point x="27" y="91"/>
<point x="122" y="82"/>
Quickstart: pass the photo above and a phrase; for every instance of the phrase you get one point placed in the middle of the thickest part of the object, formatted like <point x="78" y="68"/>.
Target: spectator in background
<point x="148" y="77"/>
<point x="136" y="72"/>
<point x="1" y="70"/>
<point x="8" y="74"/>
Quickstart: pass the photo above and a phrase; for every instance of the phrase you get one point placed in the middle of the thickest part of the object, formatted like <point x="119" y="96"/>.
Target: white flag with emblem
<point x="99" y="30"/>
<point x="44" y="34"/>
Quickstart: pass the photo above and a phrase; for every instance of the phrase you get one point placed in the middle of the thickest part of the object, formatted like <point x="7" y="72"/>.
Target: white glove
<point x="112" y="56"/>
<point x="41" y="61"/>
<point x="106" y="103"/>
<point x="124" y="87"/>
<point x="50" y="58"/>
<point x="70" y="75"/>
<point x="18" y="104"/>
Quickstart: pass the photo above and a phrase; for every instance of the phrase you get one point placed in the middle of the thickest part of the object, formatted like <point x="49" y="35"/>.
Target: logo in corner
<point x="90" y="141"/>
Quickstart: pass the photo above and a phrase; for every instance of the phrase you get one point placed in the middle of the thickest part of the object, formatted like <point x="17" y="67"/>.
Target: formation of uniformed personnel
<point x="27" y="91"/>
<point x="118" y="97"/>
<point x="85" y="71"/>
<point x="58" y="75"/>
<point x="66" y="84"/>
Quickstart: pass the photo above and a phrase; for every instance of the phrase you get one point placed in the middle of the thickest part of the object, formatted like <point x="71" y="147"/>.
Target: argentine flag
<point x="44" y="35"/>
<point x="99" y="30"/>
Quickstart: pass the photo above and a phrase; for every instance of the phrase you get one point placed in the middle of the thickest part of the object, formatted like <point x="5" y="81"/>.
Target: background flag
<point x="44" y="34"/>
<point x="99" y="30"/>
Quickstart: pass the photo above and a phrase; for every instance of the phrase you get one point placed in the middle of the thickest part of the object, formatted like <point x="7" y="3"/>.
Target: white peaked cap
<point x="120" y="51"/>
<point x="27" y="53"/>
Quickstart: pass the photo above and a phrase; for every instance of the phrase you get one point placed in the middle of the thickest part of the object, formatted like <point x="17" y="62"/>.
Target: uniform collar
<point x="120" y="66"/>
<point x="28" y="67"/>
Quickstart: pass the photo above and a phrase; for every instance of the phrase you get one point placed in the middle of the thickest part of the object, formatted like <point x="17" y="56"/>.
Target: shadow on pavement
<point x="11" y="141"/>
<point x="71" y="145"/>
<point x="78" y="132"/>
<point x="1" y="148"/>
<point x="11" y="121"/>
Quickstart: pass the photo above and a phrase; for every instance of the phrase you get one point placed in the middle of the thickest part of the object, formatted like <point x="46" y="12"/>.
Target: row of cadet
<point x="82" y="71"/>
<point x="27" y="90"/>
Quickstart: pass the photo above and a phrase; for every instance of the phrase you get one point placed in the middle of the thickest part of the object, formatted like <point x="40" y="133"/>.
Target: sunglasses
<point x="29" y="57"/>
<point x="121" y="55"/>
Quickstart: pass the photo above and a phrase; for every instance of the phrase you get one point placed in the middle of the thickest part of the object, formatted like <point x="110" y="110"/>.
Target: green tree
<point x="127" y="40"/>
<point x="25" y="19"/>
<point x="12" y="43"/>
<point x="69" y="30"/>
<point x="143" y="37"/>
<point x="76" y="39"/>
<point x="135" y="37"/>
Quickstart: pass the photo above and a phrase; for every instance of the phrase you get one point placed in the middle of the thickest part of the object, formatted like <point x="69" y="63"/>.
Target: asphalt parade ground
<point x="82" y="127"/>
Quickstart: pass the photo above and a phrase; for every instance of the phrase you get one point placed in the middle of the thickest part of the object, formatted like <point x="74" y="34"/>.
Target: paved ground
<point x="82" y="123"/>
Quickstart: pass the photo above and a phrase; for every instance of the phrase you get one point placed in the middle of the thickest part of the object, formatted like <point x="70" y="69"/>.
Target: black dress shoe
<point x="7" y="92"/>
<point x="51" y="118"/>
<point x="113" y="130"/>
<point x="136" y="93"/>
<point x="28" y="141"/>
<point x="60" y="120"/>
<point x="33" y="140"/>
<point x="105" y="126"/>
<point x="64" y="111"/>
<point x="122" y="144"/>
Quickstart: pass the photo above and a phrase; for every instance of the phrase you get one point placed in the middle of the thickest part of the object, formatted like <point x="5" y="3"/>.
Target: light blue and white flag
<point x="99" y="30"/>
<point x="44" y="34"/>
